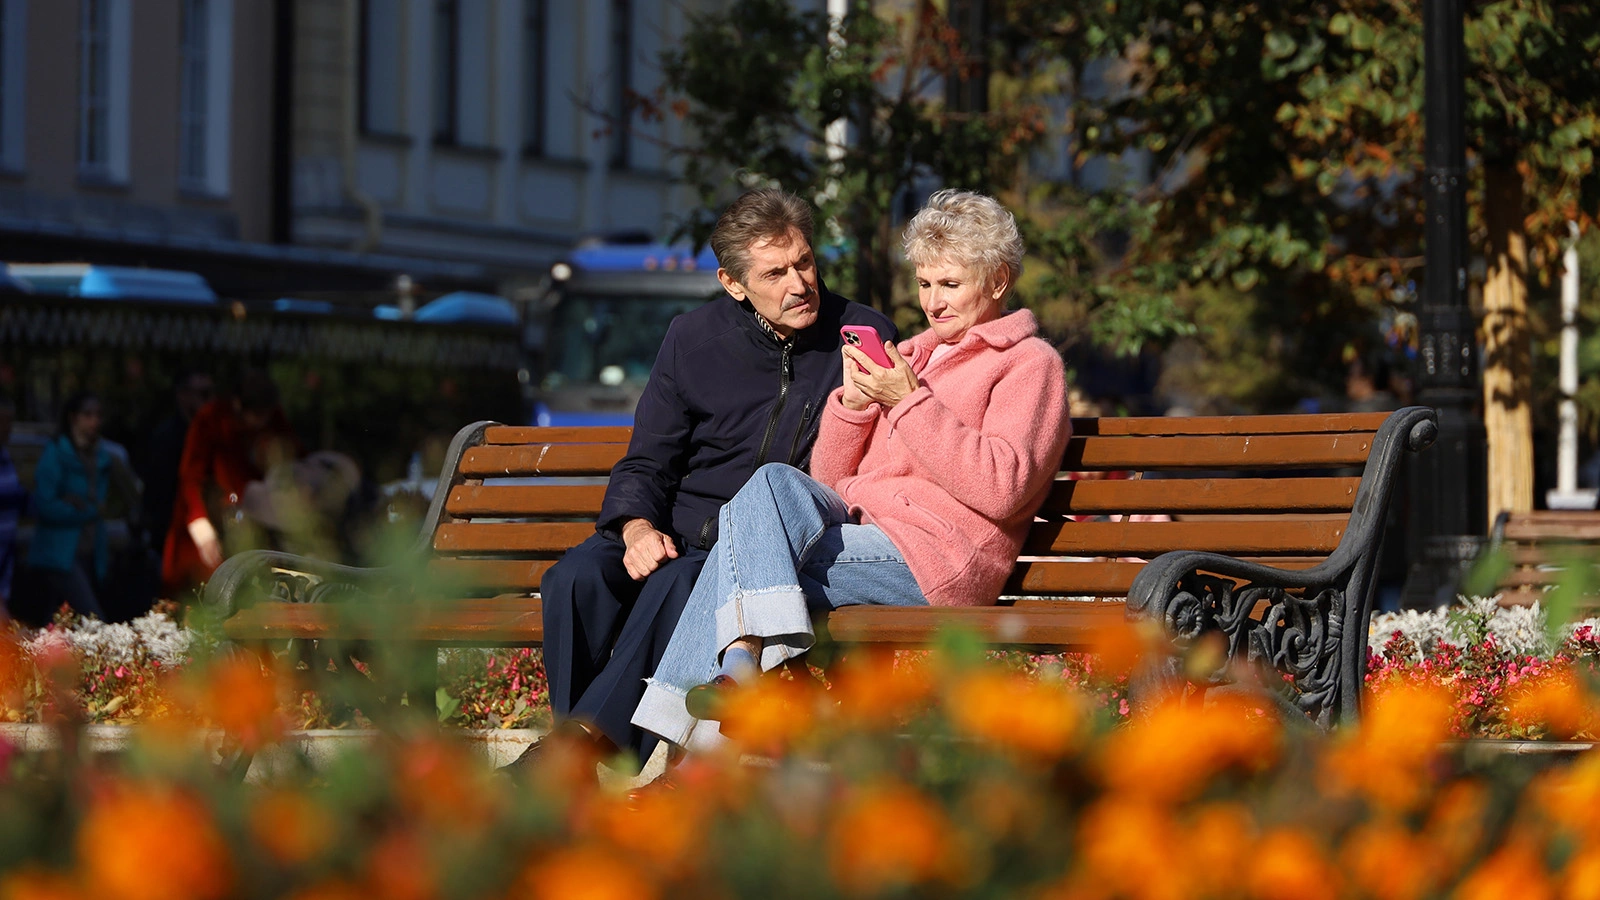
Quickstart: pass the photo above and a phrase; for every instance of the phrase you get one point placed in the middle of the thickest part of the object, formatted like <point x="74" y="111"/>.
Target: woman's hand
<point x="852" y="397"/>
<point x="878" y="384"/>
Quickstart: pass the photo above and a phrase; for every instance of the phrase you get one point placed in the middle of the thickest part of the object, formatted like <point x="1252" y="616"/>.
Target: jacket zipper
<point x="777" y="409"/>
<point x="805" y="419"/>
<point x="705" y="532"/>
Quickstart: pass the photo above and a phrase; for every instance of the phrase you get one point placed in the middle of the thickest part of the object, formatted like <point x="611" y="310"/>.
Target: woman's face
<point x="955" y="298"/>
<point x="86" y="422"/>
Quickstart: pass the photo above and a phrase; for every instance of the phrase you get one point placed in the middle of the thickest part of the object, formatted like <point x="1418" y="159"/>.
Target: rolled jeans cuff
<point x="778" y="616"/>
<point x="662" y="711"/>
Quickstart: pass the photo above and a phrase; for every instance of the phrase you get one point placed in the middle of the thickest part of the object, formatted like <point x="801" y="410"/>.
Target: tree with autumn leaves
<point x="1278" y="213"/>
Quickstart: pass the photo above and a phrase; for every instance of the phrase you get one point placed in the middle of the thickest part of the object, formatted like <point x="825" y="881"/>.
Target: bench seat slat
<point x="1109" y="578"/>
<point x="1066" y="625"/>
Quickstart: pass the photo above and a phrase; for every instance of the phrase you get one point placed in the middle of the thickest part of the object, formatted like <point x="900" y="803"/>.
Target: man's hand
<point x="206" y="541"/>
<point x="877" y="384"/>
<point x="647" y="548"/>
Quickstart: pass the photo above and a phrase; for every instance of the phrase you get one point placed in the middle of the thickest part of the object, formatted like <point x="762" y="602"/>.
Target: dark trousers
<point x="604" y="634"/>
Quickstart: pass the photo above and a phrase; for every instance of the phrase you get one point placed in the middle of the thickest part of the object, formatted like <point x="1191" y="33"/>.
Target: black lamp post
<point x="1448" y="484"/>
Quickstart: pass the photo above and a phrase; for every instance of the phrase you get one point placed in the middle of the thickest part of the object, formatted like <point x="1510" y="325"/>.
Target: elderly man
<point x="738" y="383"/>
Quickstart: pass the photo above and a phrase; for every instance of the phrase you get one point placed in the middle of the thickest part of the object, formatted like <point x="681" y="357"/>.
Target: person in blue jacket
<point x="737" y="383"/>
<point x="68" y="556"/>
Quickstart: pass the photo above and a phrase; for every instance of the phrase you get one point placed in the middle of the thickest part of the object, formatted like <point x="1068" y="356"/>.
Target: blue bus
<point x="611" y="305"/>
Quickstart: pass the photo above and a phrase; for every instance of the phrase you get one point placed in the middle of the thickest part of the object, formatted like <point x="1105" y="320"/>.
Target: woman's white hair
<point x="970" y="229"/>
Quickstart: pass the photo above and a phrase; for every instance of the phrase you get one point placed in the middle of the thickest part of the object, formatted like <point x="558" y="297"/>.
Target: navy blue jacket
<point x="724" y="398"/>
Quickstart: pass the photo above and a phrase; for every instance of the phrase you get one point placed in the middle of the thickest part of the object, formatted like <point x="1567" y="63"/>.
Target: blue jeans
<point x="787" y="550"/>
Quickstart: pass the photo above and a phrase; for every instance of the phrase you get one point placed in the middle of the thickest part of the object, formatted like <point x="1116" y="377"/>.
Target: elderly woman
<point x="924" y="478"/>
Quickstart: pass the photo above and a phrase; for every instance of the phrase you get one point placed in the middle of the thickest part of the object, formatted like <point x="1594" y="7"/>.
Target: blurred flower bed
<point x="1477" y="652"/>
<point x="947" y="774"/>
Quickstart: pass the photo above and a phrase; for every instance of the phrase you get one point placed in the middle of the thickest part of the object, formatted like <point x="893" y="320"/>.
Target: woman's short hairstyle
<point x="757" y="215"/>
<point x="968" y="228"/>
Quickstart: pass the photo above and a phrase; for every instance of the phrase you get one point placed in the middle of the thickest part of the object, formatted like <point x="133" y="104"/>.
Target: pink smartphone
<point x="865" y="338"/>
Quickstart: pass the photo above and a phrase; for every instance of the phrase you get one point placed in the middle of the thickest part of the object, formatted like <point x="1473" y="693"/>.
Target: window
<point x="204" y="94"/>
<point x="446" y="43"/>
<point x="382" y="71"/>
<point x="534" y="56"/>
<point x="103" y="36"/>
<point x="193" y="43"/>
<point x="94" y="89"/>
<point x="621" y="107"/>
<point x="12" y="42"/>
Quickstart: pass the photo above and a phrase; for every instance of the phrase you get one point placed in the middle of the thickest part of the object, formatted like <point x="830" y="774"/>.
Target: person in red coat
<point x="231" y="441"/>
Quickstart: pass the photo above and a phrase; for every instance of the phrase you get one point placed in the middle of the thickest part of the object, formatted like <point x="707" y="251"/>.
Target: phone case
<point x="865" y="338"/>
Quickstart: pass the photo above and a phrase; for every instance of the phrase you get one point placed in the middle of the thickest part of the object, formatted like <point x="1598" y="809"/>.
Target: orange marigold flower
<point x="1171" y="753"/>
<point x="891" y="836"/>
<point x="1119" y="646"/>
<point x="292" y="828"/>
<point x="875" y="688"/>
<point x="398" y="867"/>
<point x="585" y="873"/>
<point x="38" y="884"/>
<point x="1387" y="758"/>
<point x="664" y="829"/>
<point x="1035" y="719"/>
<point x="1581" y="879"/>
<point x="442" y="785"/>
<point x="1555" y="700"/>
<point x="770" y="715"/>
<point x="1218" y="846"/>
<point x="1455" y="826"/>
<point x="1514" y="870"/>
<point x="330" y="890"/>
<point x="151" y="843"/>
<point x="241" y="697"/>
<point x="1288" y="864"/>
<point x="1125" y="848"/>
<point x="1388" y="862"/>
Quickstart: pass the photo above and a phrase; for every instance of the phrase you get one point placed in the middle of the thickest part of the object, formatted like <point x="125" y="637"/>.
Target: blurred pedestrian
<point x="232" y="441"/>
<point x="68" y="558"/>
<point x="158" y="461"/>
<point x="12" y="500"/>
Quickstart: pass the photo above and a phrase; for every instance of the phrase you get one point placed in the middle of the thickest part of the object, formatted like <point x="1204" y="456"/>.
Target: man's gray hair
<point x="756" y="216"/>
<point x="970" y="229"/>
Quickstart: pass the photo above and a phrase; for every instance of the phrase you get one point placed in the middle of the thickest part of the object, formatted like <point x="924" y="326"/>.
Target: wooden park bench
<point x="1538" y="550"/>
<point x="1273" y="545"/>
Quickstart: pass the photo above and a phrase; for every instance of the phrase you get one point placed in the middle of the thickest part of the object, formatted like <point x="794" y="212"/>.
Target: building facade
<point x="143" y="123"/>
<point x="495" y="132"/>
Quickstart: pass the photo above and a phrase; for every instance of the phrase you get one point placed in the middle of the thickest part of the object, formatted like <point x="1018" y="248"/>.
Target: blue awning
<point x="463" y="307"/>
<point x="114" y="282"/>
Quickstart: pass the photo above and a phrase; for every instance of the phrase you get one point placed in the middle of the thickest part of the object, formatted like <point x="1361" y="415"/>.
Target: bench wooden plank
<point x="1287" y="537"/>
<point x="541" y="459"/>
<point x="1189" y="495"/>
<point x="1064" y="625"/>
<point x="1067" y="498"/>
<point x="1131" y="425"/>
<point x="1283" y="451"/>
<point x="511" y="537"/>
<point x="509" y="500"/>
<point x="557" y="434"/>
<point x="1221" y="452"/>
<point x="1103" y="578"/>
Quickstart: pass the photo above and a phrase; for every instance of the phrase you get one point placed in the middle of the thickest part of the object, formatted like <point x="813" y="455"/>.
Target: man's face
<point x="781" y="283"/>
<point x="193" y="394"/>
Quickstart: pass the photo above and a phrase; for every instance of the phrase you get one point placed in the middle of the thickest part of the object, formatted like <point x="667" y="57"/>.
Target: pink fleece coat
<point x="954" y="473"/>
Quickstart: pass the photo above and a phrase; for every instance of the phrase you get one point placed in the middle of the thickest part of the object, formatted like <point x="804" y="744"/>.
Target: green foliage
<point x="760" y="83"/>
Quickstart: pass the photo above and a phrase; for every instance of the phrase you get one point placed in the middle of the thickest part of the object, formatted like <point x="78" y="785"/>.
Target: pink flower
<point x="122" y="671"/>
<point x="1122" y="708"/>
